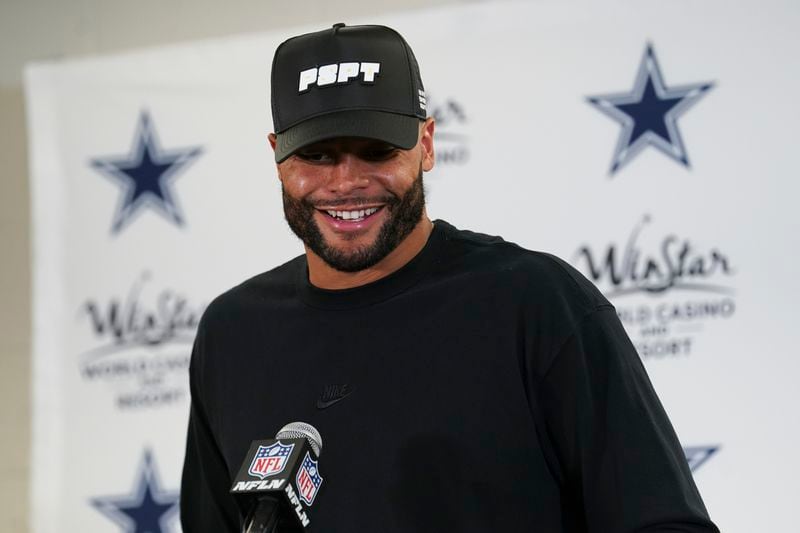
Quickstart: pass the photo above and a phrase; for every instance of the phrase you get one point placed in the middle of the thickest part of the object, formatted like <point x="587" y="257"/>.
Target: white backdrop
<point x="154" y="189"/>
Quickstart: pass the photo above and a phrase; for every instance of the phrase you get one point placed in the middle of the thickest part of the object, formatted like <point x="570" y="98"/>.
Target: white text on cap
<point x="337" y="73"/>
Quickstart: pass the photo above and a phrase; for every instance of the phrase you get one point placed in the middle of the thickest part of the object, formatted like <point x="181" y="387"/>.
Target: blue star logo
<point x="649" y="113"/>
<point x="697" y="455"/>
<point x="147" y="509"/>
<point x="145" y="176"/>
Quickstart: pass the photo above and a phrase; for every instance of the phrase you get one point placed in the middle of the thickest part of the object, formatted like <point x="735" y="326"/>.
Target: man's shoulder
<point x="536" y="273"/>
<point x="263" y="290"/>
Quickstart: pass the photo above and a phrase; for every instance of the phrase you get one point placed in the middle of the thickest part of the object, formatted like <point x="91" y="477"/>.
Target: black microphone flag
<point x="282" y="473"/>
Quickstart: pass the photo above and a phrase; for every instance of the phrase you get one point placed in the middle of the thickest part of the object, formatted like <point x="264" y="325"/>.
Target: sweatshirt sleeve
<point x="619" y="455"/>
<point x="205" y="504"/>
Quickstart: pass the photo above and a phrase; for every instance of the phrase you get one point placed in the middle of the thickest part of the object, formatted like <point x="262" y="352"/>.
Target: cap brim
<point x="401" y="131"/>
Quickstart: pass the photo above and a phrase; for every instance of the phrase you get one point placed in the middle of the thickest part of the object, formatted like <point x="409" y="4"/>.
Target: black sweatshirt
<point x="491" y="389"/>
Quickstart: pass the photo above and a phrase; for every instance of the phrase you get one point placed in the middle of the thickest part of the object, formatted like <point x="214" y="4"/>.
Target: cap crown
<point x="344" y="68"/>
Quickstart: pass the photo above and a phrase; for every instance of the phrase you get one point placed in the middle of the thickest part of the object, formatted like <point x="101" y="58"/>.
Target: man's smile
<point x="350" y="219"/>
<point x="354" y="215"/>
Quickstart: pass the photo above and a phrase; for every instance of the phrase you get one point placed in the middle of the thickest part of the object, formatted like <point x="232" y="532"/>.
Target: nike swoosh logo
<point x="324" y="404"/>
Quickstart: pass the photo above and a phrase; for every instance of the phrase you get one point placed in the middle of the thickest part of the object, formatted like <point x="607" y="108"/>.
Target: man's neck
<point x="322" y="275"/>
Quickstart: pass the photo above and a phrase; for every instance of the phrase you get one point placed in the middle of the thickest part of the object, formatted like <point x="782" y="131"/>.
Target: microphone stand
<point x="263" y="516"/>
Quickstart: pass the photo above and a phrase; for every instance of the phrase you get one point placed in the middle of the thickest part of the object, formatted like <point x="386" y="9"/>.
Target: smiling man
<point x="461" y="383"/>
<point x="358" y="205"/>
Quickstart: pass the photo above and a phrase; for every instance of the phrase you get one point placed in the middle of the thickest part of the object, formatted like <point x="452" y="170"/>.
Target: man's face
<point x="353" y="201"/>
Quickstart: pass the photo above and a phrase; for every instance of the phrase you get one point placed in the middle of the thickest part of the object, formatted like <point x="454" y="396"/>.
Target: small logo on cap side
<point x="338" y="74"/>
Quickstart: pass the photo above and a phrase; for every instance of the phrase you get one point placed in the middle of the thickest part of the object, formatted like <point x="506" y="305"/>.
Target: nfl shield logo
<point x="308" y="480"/>
<point x="270" y="460"/>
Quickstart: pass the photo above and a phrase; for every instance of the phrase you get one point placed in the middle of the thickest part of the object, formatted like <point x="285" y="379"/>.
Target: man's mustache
<point x="353" y="201"/>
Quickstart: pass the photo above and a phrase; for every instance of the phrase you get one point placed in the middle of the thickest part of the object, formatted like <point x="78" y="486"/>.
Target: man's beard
<point x="404" y="214"/>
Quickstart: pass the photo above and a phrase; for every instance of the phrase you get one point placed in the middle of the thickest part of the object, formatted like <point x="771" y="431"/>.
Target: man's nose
<point x="348" y="174"/>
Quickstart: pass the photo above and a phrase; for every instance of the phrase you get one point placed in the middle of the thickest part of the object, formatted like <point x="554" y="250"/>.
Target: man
<point x="460" y="382"/>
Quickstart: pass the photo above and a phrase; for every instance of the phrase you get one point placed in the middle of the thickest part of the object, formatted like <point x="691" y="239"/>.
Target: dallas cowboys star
<point x="145" y="175"/>
<point x="697" y="455"/>
<point x="148" y="509"/>
<point x="649" y="113"/>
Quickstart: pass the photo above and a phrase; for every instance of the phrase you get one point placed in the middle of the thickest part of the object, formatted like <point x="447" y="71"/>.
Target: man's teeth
<point x="352" y="215"/>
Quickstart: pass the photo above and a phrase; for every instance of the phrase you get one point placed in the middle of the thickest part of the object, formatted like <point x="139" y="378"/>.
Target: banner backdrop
<point x="648" y="143"/>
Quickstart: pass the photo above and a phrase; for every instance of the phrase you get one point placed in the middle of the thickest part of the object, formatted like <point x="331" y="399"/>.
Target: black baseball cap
<point x="346" y="81"/>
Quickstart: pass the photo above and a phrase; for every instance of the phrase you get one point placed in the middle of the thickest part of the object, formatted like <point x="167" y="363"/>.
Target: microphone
<point x="279" y="480"/>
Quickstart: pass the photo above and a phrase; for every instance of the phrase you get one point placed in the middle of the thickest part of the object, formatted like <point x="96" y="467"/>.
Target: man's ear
<point x="273" y="140"/>
<point x="426" y="143"/>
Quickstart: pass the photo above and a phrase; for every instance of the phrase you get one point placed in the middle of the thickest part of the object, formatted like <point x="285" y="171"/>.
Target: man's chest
<point x="412" y="414"/>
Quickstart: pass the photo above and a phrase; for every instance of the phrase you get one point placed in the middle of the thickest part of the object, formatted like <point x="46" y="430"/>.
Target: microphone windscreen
<point x="302" y="430"/>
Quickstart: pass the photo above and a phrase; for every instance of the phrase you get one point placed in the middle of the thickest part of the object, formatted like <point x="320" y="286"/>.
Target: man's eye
<point x="378" y="154"/>
<point x="314" y="157"/>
